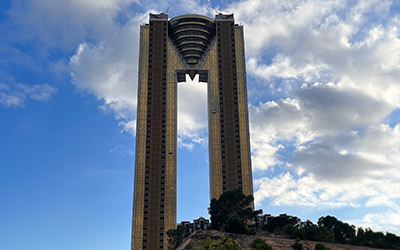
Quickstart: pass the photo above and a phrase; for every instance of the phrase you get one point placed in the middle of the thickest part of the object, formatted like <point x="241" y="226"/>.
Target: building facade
<point x="169" y="50"/>
<point x="264" y="219"/>
<point x="198" y="224"/>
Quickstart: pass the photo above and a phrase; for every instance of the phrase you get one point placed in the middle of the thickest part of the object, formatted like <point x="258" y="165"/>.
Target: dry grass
<point x="276" y="242"/>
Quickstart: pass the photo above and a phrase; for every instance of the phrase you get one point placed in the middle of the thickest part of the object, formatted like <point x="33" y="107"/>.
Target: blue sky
<point x="324" y="96"/>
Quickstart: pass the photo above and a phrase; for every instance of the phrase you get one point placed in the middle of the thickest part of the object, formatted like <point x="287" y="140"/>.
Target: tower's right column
<point x="247" y="175"/>
<point x="235" y="159"/>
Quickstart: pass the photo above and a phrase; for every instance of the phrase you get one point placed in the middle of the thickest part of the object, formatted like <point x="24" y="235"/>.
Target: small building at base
<point x="199" y="224"/>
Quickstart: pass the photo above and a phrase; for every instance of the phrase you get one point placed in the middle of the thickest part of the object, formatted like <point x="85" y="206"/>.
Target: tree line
<point x="330" y="229"/>
<point x="233" y="213"/>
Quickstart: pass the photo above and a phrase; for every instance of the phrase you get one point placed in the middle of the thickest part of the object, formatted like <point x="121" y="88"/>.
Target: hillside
<point x="276" y="242"/>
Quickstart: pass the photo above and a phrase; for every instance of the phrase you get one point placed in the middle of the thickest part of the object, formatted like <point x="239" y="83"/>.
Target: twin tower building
<point x="169" y="50"/>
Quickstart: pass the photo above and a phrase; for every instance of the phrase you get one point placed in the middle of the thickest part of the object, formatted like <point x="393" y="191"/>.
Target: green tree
<point x="299" y="233"/>
<point x="392" y="240"/>
<point x="259" y="244"/>
<point x="224" y="244"/>
<point x="297" y="245"/>
<point x="281" y="222"/>
<point x="190" y="245"/>
<point x="176" y="236"/>
<point x="325" y="235"/>
<point x="321" y="246"/>
<point x="310" y="229"/>
<point x="343" y="232"/>
<point x="235" y="225"/>
<point x="232" y="212"/>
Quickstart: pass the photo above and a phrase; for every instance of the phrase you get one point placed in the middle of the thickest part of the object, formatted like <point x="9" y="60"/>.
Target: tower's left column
<point x="150" y="196"/>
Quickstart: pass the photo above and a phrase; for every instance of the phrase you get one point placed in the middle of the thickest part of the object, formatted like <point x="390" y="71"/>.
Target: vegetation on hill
<point x="232" y="213"/>
<point x="224" y="244"/>
<point x="321" y="246"/>
<point x="330" y="229"/>
<point x="259" y="244"/>
<point x="297" y="245"/>
<point x="176" y="236"/>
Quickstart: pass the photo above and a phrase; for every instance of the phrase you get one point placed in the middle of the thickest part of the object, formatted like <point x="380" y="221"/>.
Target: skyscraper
<point x="170" y="49"/>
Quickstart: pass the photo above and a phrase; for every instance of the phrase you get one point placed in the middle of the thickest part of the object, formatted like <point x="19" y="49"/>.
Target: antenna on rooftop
<point x="216" y="11"/>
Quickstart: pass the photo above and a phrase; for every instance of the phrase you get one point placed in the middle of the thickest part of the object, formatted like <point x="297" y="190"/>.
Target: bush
<point x="232" y="211"/>
<point x="235" y="225"/>
<point x="297" y="245"/>
<point x="260" y="244"/>
<point x="280" y="222"/>
<point x="190" y="245"/>
<point x="321" y="246"/>
<point x="225" y="244"/>
<point x="252" y="231"/>
<point x="176" y="236"/>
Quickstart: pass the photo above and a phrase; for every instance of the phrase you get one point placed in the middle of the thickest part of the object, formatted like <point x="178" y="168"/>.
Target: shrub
<point x="320" y="246"/>
<point x="232" y="211"/>
<point x="297" y="245"/>
<point x="259" y="244"/>
<point x="235" y="225"/>
<point x="225" y="244"/>
<point x="190" y="245"/>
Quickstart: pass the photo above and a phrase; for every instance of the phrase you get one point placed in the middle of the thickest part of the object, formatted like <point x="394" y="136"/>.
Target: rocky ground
<point x="276" y="242"/>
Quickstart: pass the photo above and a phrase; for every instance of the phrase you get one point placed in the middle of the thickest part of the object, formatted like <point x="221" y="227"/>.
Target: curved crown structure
<point x="191" y="36"/>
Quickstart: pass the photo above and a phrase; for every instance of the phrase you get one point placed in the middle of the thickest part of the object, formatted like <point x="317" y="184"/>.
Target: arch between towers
<point x="206" y="76"/>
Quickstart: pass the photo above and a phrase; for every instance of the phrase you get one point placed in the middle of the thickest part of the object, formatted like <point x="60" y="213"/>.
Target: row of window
<point x="224" y="171"/>
<point x="193" y="26"/>
<point x="184" y="20"/>
<point x="223" y="146"/>
<point x="223" y="152"/>
<point x="191" y="40"/>
<point x="219" y="24"/>
<point x="145" y="247"/>
<point x="221" y="103"/>
<point x="151" y="23"/>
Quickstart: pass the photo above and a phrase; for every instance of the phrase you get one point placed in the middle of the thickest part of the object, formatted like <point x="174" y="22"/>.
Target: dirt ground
<point x="276" y="242"/>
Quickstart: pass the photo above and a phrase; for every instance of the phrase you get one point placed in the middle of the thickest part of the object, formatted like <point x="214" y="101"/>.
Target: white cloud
<point x="41" y="92"/>
<point x="327" y="83"/>
<point x="4" y="86"/>
<point x="192" y="111"/>
<point x="388" y="221"/>
<point x="283" y="22"/>
<point x="109" y="72"/>
<point x="122" y="150"/>
<point x="62" y="24"/>
<point x="15" y="96"/>
<point x="9" y="100"/>
<point x="189" y="146"/>
<point x="129" y="127"/>
<point x="289" y="190"/>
